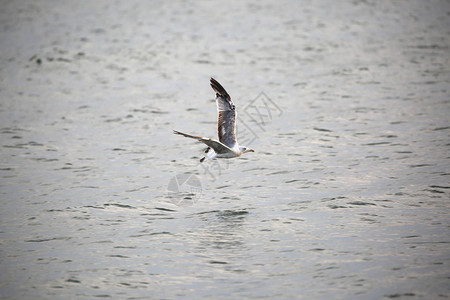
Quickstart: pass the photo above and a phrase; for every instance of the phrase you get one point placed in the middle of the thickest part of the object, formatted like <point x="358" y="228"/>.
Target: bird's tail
<point x="188" y="135"/>
<point x="209" y="154"/>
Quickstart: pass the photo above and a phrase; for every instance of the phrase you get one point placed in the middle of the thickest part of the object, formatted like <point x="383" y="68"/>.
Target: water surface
<point x="346" y="195"/>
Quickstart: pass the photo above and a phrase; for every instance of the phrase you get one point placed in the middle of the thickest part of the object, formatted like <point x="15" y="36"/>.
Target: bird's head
<point x="246" y="149"/>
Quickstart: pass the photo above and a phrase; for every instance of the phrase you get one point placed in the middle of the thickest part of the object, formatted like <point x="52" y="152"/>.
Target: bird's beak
<point x="251" y="150"/>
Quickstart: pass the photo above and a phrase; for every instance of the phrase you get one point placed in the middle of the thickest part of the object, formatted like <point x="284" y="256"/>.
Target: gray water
<point x="346" y="103"/>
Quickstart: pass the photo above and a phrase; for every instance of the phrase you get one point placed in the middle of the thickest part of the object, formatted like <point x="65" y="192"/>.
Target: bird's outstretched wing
<point x="227" y="115"/>
<point x="218" y="147"/>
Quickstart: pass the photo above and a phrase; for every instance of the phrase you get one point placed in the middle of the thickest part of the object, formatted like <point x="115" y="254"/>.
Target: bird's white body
<point x="211" y="154"/>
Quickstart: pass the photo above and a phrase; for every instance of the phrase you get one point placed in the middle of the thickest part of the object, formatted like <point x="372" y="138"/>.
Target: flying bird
<point x="227" y="145"/>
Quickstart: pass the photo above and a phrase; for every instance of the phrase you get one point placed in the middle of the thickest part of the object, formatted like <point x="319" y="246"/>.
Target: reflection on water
<point x="345" y="104"/>
<point x="222" y="230"/>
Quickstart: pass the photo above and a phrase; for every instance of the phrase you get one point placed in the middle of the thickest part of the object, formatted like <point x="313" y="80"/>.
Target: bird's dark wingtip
<point x="218" y="88"/>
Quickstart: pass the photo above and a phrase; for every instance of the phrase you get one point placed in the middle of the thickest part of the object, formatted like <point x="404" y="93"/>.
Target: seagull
<point x="227" y="145"/>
